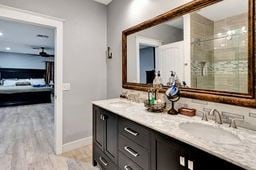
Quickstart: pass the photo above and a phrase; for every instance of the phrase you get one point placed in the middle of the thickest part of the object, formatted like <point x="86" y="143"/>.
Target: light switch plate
<point x="66" y="86"/>
<point x="182" y="161"/>
<point x="190" y="165"/>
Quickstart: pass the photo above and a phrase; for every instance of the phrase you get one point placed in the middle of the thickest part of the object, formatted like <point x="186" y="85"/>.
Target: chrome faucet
<point x="217" y="115"/>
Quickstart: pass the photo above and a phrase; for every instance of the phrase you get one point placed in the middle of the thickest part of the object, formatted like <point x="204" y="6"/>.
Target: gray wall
<point x="14" y="60"/>
<point x="84" y="57"/>
<point x="147" y="58"/>
<point x="123" y="14"/>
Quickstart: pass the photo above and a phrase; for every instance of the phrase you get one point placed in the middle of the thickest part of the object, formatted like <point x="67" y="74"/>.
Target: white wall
<point x="14" y="60"/>
<point x="84" y="57"/>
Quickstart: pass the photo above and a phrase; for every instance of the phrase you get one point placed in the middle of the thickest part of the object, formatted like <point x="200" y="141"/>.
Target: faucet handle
<point x="233" y="123"/>
<point x="204" y="115"/>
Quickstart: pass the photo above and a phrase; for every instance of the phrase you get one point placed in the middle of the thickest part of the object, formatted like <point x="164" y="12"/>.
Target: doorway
<point x="8" y="13"/>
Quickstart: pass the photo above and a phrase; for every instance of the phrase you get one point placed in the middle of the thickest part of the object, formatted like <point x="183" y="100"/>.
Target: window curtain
<point x="49" y="72"/>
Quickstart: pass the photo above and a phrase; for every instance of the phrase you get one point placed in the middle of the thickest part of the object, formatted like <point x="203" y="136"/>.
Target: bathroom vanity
<point x="211" y="49"/>
<point x="127" y="137"/>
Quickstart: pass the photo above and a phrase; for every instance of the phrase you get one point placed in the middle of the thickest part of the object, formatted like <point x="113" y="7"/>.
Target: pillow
<point x="22" y="80"/>
<point x="37" y="82"/>
<point x="9" y="82"/>
<point x="23" y="83"/>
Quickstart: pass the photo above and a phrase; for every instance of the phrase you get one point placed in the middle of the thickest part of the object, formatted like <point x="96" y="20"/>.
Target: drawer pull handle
<point x="131" y="151"/>
<point x="103" y="161"/>
<point x="126" y="167"/>
<point x="132" y="132"/>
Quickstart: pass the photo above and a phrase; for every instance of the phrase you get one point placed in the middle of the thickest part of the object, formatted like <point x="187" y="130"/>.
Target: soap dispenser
<point x="171" y="79"/>
<point x="157" y="82"/>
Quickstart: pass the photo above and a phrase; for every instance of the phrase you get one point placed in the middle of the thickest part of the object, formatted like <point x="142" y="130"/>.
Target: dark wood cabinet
<point x="105" y="132"/>
<point x="167" y="154"/>
<point x="119" y="143"/>
<point x="98" y="125"/>
<point x="170" y="154"/>
<point x="110" y="135"/>
<point x="202" y="160"/>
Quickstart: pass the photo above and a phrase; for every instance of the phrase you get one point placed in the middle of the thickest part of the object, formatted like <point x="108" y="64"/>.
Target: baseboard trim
<point x="77" y="144"/>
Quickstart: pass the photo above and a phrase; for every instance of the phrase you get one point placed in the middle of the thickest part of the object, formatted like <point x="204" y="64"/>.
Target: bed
<point x="20" y="93"/>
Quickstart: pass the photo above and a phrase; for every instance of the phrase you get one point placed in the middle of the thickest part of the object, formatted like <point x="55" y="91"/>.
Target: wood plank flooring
<point x="26" y="141"/>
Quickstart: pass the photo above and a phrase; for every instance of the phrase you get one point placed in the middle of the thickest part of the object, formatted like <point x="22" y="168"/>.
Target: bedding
<point x="36" y="82"/>
<point x="25" y="83"/>
<point x="22" y="82"/>
<point x="9" y="82"/>
<point x="22" y="89"/>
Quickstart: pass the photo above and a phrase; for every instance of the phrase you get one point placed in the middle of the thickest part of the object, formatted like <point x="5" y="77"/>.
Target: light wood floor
<point x="26" y="141"/>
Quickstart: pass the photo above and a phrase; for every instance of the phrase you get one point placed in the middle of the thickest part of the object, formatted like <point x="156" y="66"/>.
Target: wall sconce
<point x="109" y="53"/>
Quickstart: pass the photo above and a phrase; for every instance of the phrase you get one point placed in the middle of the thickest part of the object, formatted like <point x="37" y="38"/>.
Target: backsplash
<point x="228" y="111"/>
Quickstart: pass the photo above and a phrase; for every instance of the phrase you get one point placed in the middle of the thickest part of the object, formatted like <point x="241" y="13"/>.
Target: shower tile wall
<point x="219" y="62"/>
<point x="231" y="55"/>
<point x="202" y="52"/>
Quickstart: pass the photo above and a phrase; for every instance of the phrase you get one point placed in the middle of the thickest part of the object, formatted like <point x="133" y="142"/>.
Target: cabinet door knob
<point x="126" y="167"/>
<point x="103" y="161"/>
<point x="132" y="132"/>
<point x="131" y="151"/>
<point x="182" y="161"/>
<point x="190" y="165"/>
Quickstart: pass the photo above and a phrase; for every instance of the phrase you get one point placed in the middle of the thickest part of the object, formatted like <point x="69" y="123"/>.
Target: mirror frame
<point x="240" y="99"/>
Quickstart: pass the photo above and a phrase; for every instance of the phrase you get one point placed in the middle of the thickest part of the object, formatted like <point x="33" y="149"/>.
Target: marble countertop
<point x="242" y="154"/>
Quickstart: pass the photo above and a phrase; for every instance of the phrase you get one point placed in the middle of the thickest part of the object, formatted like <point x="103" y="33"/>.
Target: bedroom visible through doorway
<point x="27" y="82"/>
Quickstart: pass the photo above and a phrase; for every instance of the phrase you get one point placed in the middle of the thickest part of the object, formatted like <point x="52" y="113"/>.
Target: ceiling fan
<point x="42" y="52"/>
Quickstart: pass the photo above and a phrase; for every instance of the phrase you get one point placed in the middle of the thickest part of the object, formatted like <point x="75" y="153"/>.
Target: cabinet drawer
<point x="103" y="161"/>
<point x="134" y="151"/>
<point x="135" y="132"/>
<point x="127" y="164"/>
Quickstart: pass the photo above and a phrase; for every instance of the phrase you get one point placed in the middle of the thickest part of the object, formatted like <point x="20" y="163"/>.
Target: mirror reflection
<point x="204" y="49"/>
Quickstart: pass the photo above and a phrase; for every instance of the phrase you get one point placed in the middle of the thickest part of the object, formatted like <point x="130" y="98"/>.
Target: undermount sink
<point x="210" y="133"/>
<point x="119" y="104"/>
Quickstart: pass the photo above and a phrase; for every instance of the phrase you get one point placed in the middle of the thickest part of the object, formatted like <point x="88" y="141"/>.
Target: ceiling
<point x="22" y="37"/>
<point x="224" y="9"/>
<point x="106" y="2"/>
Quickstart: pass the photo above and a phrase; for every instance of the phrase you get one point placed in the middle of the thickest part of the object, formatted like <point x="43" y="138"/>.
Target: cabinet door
<point x="98" y="127"/>
<point x="110" y="140"/>
<point x="102" y="160"/>
<point x="167" y="154"/>
<point x="200" y="160"/>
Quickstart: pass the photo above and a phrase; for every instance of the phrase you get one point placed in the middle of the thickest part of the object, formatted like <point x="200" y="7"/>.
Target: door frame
<point x="147" y="41"/>
<point x="25" y="16"/>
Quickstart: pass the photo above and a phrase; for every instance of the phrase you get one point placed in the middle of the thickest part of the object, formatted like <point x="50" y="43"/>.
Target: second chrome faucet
<point x="214" y="112"/>
<point x="217" y="116"/>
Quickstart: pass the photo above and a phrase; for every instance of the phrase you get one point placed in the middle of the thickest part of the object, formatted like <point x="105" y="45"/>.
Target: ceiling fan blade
<point x="40" y="48"/>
